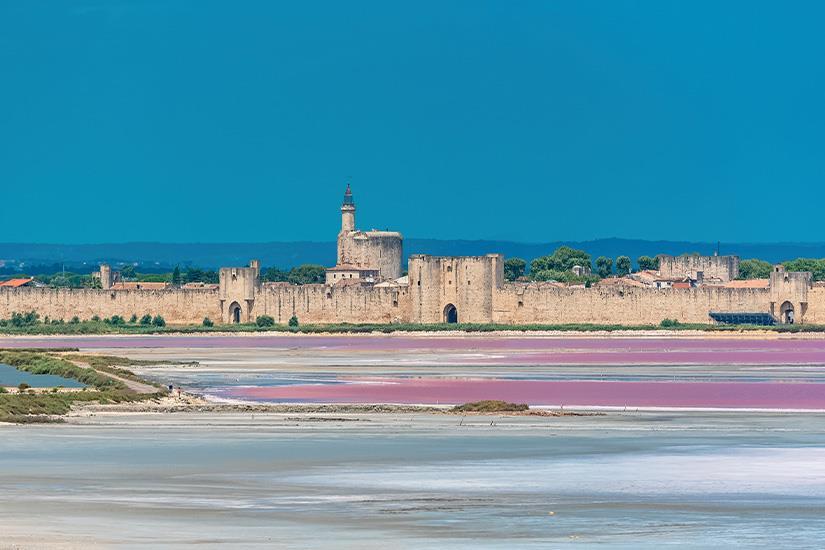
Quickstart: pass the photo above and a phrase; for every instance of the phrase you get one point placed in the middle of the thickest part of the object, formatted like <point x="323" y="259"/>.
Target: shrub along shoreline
<point x="30" y="406"/>
<point x="266" y="324"/>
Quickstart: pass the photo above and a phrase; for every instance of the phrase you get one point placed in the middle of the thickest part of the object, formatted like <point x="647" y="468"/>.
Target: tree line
<point x="558" y="266"/>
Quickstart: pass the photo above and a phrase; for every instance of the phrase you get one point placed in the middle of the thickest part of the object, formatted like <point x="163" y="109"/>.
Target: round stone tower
<point x="379" y="251"/>
<point x="348" y="212"/>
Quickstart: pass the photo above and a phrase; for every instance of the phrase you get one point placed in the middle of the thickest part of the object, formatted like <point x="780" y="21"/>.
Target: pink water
<point x="763" y="395"/>
<point x="523" y="352"/>
<point x="490" y="349"/>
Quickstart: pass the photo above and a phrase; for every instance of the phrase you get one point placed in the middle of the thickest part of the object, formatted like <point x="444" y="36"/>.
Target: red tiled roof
<point x="16" y="283"/>
<point x="749" y="283"/>
<point x="680" y="285"/>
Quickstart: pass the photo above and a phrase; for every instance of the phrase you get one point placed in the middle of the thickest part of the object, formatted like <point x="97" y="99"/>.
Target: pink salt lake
<point x="484" y="350"/>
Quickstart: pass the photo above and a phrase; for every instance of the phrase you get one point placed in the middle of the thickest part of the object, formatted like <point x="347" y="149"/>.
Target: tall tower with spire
<point x="367" y="256"/>
<point x="348" y="212"/>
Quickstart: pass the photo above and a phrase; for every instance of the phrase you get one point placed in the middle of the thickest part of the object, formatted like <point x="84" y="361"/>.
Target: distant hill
<point x="287" y="254"/>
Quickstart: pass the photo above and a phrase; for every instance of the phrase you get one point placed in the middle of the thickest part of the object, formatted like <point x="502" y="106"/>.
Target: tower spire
<point x="348" y="196"/>
<point x="348" y="211"/>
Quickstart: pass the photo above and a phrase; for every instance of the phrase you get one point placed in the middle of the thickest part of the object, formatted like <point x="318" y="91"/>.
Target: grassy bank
<point x="28" y="407"/>
<point x="99" y="327"/>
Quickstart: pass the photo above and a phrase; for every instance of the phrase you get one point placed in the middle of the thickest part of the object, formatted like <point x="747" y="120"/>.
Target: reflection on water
<point x="635" y="480"/>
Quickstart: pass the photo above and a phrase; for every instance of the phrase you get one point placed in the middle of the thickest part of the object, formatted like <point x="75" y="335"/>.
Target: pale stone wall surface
<point x="381" y="250"/>
<point x="466" y="282"/>
<point x="473" y="285"/>
<point x="333" y="304"/>
<point x="175" y="305"/>
<point x="724" y="268"/>
<point x="530" y="303"/>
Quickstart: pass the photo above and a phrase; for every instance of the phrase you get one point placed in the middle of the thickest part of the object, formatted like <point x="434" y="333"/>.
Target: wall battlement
<point x="366" y="287"/>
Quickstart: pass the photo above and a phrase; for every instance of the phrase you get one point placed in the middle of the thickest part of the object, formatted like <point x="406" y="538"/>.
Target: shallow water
<point x="643" y="480"/>
<point x="10" y="376"/>
<point x="623" y="480"/>
<point x="432" y="375"/>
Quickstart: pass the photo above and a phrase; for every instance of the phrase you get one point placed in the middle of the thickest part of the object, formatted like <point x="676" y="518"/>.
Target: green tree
<point x="293" y="321"/>
<point x="176" y="276"/>
<point x="159" y="321"/>
<point x="754" y="269"/>
<point x="514" y="268"/>
<point x="207" y="322"/>
<point x="146" y="320"/>
<point x="646" y="262"/>
<point x="264" y="321"/>
<point x="623" y="266"/>
<point x="275" y="275"/>
<point x="604" y="266"/>
<point x="816" y="267"/>
<point x="307" y="274"/>
<point x="561" y="260"/>
<point x="127" y="272"/>
<point x="195" y="275"/>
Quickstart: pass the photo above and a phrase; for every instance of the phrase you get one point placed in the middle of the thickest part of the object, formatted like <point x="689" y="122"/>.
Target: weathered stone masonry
<point x="437" y="289"/>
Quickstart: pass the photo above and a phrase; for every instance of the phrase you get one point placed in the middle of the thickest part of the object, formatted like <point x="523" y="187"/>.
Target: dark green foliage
<point x="275" y="275"/>
<point x="265" y="321"/>
<point x="669" y="323"/>
<point x="96" y="318"/>
<point x="176" y="276"/>
<point x="75" y="320"/>
<point x="146" y="320"/>
<point x="307" y="274"/>
<point x="159" y="321"/>
<point x="117" y="320"/>
<point x="24" y="319"/>
<point x="41" y="407"/>
<point x="293" y="321"/>
<point x="195" y="275"/>
<point x="562" y="259"/>
<point x="207" y="322"/>
<point x="754" y="269"/>
<point x="514" y="268"/>
<point x="23" y="386"/>
<point x="604" y="266"/>
<point x="623" y="266"/>
<point x="133" y="319"/>
<point x="646" y="262"/>
<point x="816" y="267"/>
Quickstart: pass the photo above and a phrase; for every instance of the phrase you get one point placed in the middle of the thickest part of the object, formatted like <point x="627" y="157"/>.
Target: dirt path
<point x="137" y="387"/>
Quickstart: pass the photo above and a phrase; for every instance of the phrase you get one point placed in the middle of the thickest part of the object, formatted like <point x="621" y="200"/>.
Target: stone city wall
<point x="175" y="305"/>
<point x="470" y="285"/>
<point x="535" y="303"/>
<point x="333" y="304"/>
<point x="723" y="268"/>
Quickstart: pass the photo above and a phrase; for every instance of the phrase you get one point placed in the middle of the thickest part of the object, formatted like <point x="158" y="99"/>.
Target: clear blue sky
<point x="209" y="121"/>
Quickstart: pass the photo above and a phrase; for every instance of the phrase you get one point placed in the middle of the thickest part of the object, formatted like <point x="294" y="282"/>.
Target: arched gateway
<point x="450" y="314"/>
<point x="234" y="312"/>
<point x="786" y="313"/>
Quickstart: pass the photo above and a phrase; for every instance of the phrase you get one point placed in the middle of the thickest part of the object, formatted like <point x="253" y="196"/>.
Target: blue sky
<point x="534" y="121"/>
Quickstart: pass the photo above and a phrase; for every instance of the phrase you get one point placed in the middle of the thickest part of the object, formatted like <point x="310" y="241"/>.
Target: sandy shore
<point x="188" y="403"/>
<point x="749" y="334"/>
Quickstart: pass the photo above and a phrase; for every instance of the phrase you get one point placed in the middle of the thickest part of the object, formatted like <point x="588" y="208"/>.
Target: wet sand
<point x="179" y="473"/>
<point x="415" y="481"/>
